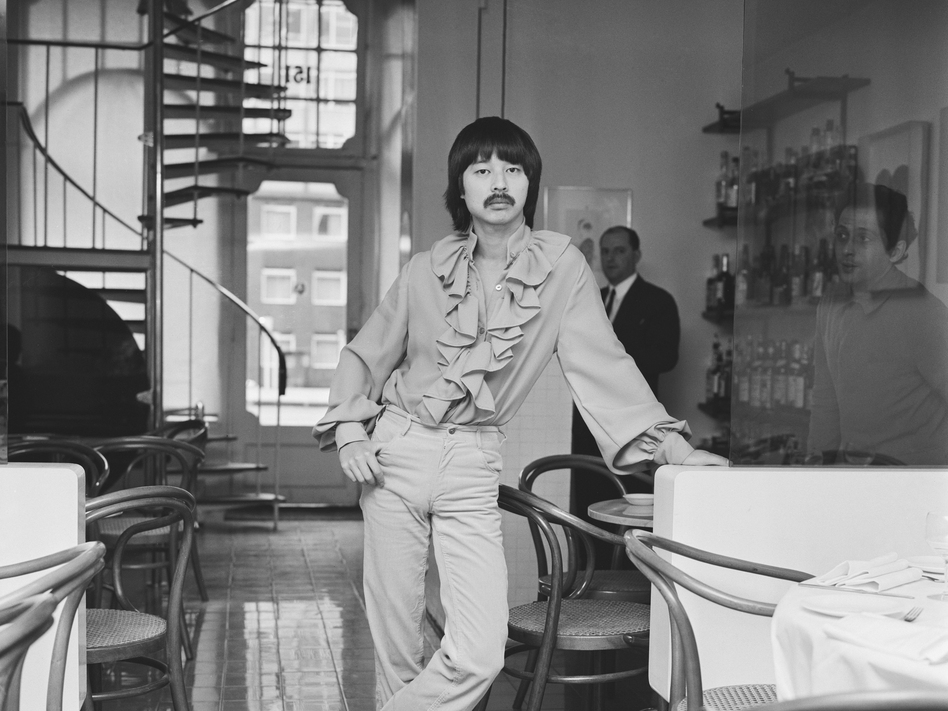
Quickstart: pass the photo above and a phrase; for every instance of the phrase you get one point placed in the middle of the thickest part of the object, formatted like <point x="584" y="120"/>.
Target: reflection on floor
<point x="285" y="628"/>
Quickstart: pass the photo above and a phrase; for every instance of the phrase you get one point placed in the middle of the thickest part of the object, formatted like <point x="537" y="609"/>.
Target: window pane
<point x="336" y="124"/>
<point x="325" y="350"/>
<point x="337" y="78"/>
<point x="340" y="27"/>
<point x="329" y="288"/>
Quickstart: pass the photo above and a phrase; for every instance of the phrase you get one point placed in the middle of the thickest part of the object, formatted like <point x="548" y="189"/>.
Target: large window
<point x="309" y="47"/>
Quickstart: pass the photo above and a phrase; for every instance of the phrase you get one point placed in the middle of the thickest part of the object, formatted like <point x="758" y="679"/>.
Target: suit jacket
<point x="647" y="325"/>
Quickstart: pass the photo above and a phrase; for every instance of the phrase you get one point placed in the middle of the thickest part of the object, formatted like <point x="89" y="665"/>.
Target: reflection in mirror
<point x="840" y="324"/>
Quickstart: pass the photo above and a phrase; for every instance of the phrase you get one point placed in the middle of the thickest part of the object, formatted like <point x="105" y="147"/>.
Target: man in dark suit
<point x="645" y="319"/>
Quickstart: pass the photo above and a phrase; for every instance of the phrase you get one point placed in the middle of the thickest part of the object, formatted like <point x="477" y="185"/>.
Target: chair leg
<point x="529" y="666"/>
<point x="198" y="575"/>
<point x="597" y="689"/>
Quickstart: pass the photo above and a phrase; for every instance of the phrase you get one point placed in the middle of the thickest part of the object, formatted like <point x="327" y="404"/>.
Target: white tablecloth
<point x="808" y="662"/>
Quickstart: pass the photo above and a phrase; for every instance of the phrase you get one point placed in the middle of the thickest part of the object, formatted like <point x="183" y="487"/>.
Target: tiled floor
<point x="285" y="628"/>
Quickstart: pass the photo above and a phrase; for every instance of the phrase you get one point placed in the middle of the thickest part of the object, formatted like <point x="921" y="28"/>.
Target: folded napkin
<point x="875" y="575"/>
<point x="885" y="634"/>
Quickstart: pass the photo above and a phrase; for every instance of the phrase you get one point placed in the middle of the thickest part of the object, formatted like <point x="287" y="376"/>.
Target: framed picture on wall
<point x="898" y="158"/>
<point x="584" y="214"/>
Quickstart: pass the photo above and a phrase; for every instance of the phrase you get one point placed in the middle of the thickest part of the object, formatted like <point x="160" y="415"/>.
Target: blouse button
<point x="480" y="330"/>
<point x="498" y="287"/>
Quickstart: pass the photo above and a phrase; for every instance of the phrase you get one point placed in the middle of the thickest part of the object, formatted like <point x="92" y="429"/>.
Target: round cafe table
<point x="808" y="662"/>
<point x="620" y="512"/>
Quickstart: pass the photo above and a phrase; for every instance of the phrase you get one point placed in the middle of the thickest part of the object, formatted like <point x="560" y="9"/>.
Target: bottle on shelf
<point x="724" y="287"/>
<point x="767" y="377"/>
<point x="725" y="367"/>
<point x="797" y="276"/>
<point x="742" y="291"/>
<point x="733" y="194"/>
<point x="808" y="372"/>
<point x="781" y="278"/>
<point x="756" y="375"/>
<point x="779" y="393"/>
<point x="796" y="387"/>
<point x="721" y="182"/>
<point x="711" y="284"/>
<point x="743" y="359"/>
<point x="712" y="372"/>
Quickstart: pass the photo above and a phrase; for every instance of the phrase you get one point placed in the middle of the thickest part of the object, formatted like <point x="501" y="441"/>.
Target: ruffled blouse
<point x="432" y="349"/>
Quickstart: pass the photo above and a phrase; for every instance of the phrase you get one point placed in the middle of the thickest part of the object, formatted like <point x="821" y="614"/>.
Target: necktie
<point x="610" y="298"/>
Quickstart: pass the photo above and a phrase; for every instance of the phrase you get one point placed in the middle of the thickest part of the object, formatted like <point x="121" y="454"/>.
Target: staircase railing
<point x="132" y="238"/>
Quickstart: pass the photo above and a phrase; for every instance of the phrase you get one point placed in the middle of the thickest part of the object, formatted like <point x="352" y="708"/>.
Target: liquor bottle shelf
<point x="791" y="416"/>
<point x="721" y="221"/>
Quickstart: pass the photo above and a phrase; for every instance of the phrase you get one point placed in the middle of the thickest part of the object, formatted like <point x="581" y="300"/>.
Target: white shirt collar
<point x="622" y="288"/>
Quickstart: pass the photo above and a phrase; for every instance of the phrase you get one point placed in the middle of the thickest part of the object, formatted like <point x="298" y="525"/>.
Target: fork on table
<point x="912" y="614"/>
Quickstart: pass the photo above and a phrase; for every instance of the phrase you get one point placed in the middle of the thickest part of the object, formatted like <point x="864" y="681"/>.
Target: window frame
<point x="339" y="337"/>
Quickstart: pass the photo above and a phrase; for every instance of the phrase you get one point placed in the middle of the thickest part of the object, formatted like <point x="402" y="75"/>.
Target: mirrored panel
<point x="840" y="275"/>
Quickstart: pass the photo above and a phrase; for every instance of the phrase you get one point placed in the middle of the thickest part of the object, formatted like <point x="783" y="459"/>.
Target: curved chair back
<point x="93" y="462"/>
<point x="686" y="668"/>
<point x="594" y="465"/>
<point x="578" y="535"/>
<point x="21" y="624"/>
<point x="156" y="453"/>
<point x="169" y="505"/>
<point x="588" y="465"/>
<point x="73" y="569"/>
<point x="193" y="431"/>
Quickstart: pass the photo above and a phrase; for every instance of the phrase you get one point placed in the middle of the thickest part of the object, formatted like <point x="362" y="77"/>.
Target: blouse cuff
<point x="348" y="432"/>
<point x="674" y="449"/>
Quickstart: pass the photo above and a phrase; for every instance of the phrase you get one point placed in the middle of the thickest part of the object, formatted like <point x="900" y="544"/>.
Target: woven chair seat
<point x="734" y="698"/>
<point x="111" y="528"/>
<point x="584" y="624"/>
<point x="117" y="630"/>
<point x="628" y="585"/>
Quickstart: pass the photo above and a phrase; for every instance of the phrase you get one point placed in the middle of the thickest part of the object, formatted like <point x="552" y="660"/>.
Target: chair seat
<point x="734" y="698"/>
<point x="111" y="528"/>
<point x="584" y="624"/>
<point x="627" y="585"/>
<point x="120" y="634"/>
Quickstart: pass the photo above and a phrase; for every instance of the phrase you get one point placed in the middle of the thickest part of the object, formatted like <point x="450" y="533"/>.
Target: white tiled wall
<point x="541" y="428"/>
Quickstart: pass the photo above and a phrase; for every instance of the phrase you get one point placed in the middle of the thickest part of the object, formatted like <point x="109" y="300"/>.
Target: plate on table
<point x="851" y="604"/>
<point x="928" y="563"/>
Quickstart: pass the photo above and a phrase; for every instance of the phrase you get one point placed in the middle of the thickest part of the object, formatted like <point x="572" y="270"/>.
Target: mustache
<point x="500" y="197"/>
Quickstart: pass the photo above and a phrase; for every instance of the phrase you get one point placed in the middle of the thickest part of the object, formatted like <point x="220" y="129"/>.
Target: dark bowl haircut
<point x="480" y="140"/>
<point x="890" y="206"/>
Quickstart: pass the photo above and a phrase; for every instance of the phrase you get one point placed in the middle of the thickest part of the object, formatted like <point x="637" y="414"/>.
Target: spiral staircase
<point x="195" y="149"/>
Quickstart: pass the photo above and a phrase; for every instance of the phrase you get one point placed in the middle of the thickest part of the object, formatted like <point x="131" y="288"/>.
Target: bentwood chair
<point x="70" y="573"/>
<point x="21" y="624"/>
<point x="150" y="460"/>
<point x="566" y="619"/>
<point x="686" y="690"/>
<point x="606" y="584"/>
<point x="127" y="634"/>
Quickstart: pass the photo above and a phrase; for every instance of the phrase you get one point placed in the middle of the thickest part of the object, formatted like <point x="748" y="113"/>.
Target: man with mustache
<point x="881" y="347"/>
<point x="420" y="396"/>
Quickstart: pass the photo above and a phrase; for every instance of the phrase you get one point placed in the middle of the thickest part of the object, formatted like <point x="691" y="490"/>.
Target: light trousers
<point x="440" y="486"/>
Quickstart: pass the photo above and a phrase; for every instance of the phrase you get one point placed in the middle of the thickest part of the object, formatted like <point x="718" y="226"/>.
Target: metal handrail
<point x="242" y="305"/>
<point x="28" y="127"/>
